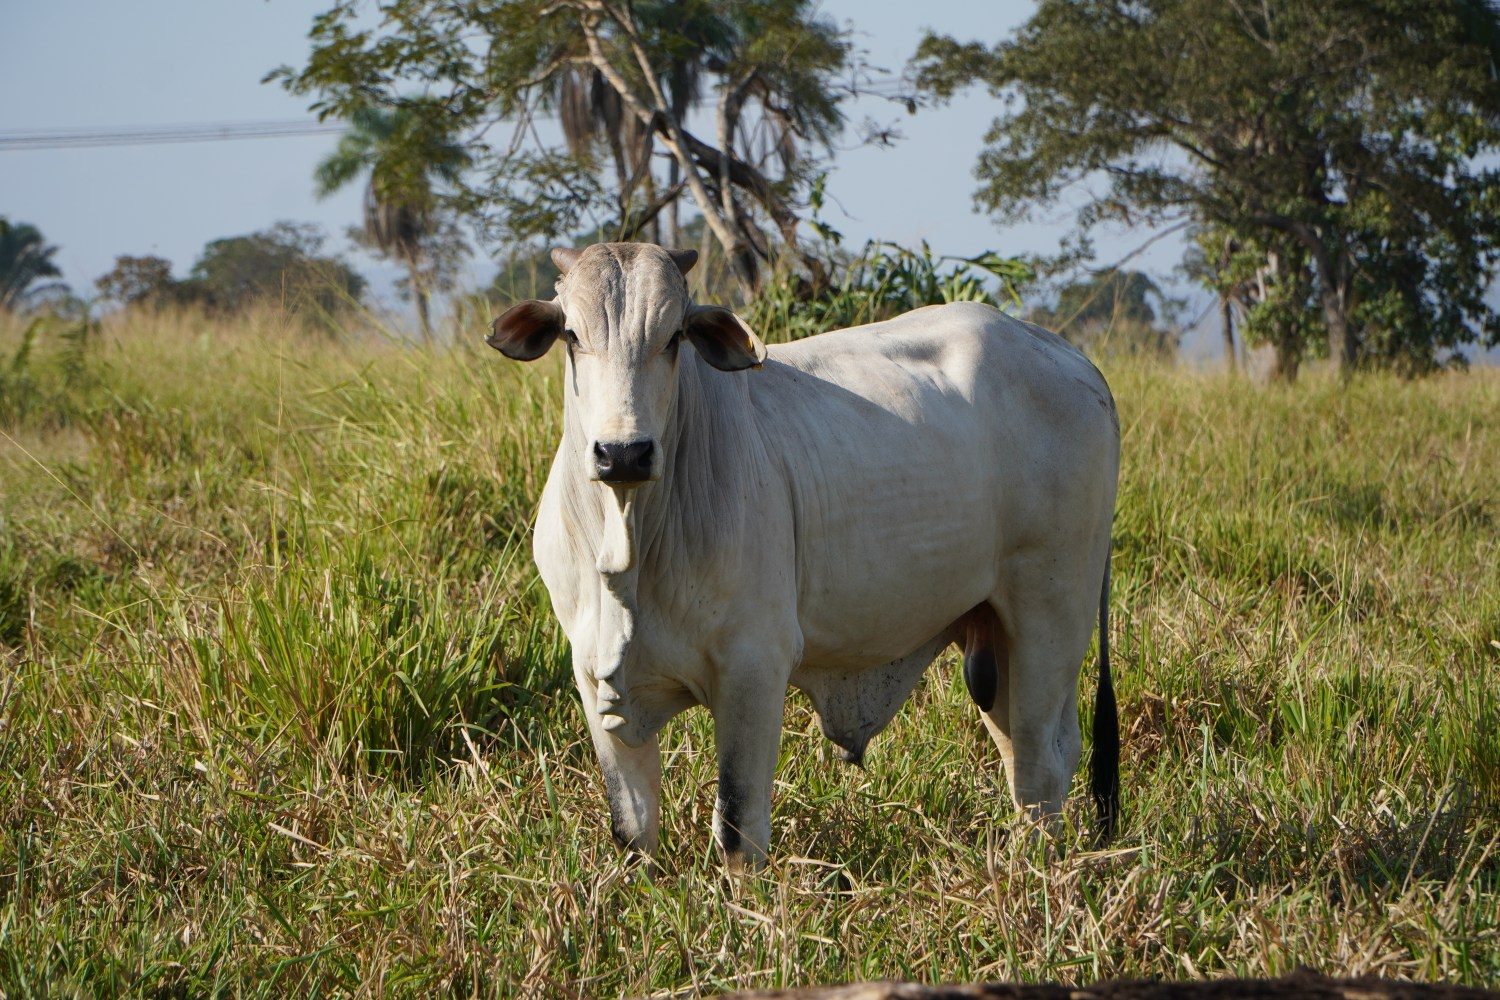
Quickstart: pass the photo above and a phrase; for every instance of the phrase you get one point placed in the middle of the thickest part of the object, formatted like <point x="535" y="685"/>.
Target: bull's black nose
<point x="623" y="463"/>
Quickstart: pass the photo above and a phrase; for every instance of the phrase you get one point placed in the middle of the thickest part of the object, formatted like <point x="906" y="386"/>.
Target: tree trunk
<point x="1226" y="313"/>
<point x="1333" y="296"/>
<point x="1288" y="358"/>
<point x="674" y="230"/>
<point x="705" y="251"/>
<point x="672" y="134"/>
<point x="1335" y="285"/>
<point x="692" y="153"/>
<point x="422" y="316"/>
<point x="419" y="295"/>
<point x="653" y="224"/>
<point x="1342" y="347"/>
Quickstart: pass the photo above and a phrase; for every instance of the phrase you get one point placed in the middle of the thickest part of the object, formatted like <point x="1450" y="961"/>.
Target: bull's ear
<point x="723" y="339"/>
<point x="526" y="330"/>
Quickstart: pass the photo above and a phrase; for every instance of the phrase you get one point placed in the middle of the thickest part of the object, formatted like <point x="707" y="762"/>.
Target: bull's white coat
<point x="824" y="521"/>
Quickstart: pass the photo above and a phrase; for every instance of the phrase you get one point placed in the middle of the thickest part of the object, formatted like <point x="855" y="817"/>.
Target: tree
<point x="407" y="155"/>
<point x="1108" y="296"/>
<point x="284" y="264"/>
<point x="529" y="273"/>
<point x="1348" y="137"/>
<point x="1268" y="284"/>
<point x="1207" y="262"/>
<point x="140" y="280"/>
<point x="621" y="75"/>
<point x="25" y="259"/>
<point x="1118" y="307"/>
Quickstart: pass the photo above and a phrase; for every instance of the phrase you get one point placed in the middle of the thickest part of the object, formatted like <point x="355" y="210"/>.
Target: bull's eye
<point x="671" y="349"/>
<point x="571" y="338"/>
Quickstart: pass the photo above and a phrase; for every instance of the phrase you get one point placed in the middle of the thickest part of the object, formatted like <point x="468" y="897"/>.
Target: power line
<point x="151" y="135"/>
<point x="156" y="135"/>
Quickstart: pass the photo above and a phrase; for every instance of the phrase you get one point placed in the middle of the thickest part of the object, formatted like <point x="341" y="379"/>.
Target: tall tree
<point x="1114" y="308"/>
<point x="25" y="259"/>
<point x="1356" y="131"/>
<point x="621" y="75"/>
<point x="405" y="154"/>
<point x="139" y="280"/>
<point x="1268" y="284"/>
<point x="284" y="264"/>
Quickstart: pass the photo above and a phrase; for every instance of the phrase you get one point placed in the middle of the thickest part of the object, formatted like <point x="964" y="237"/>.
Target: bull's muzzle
<point x="626" y="464"/>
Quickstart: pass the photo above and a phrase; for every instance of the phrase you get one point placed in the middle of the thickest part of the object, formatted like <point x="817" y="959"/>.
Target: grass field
<point x="283" y="709"/>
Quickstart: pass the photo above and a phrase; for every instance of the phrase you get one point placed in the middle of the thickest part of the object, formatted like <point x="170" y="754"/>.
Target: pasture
<point x="283" y="709"/>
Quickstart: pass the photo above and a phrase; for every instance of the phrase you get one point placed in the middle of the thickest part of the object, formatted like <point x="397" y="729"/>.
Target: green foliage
<point x="881" y="281"/>
<point x="884" y="280"/>
<point x="25" y="259"/>
<point x="140" y="281"/>
<point x="404" y="153"/>
<point x="1269" y="284"/>
<point x="284" y="264"/>
<point x="1108" y="295"/>
<point x="1111" y="311"/>
<point x="285" y="712"/>
<point x="623" y="79"/>
<point x="1358" y="131"/>
<point x="49" y="378"/>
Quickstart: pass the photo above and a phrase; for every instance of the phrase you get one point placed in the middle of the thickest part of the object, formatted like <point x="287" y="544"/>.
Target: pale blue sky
<point x="105" y="63"/>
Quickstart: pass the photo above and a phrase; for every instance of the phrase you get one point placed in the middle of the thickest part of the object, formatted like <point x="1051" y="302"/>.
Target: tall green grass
<point x="284" y="711"/>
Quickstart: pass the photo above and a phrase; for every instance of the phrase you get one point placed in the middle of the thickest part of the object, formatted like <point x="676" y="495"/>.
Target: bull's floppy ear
<point x="526" y="330"/>
<point x="723" y="339"/>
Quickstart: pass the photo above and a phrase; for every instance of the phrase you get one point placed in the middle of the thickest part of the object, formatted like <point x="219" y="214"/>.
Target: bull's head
<point x="623" y="310"/>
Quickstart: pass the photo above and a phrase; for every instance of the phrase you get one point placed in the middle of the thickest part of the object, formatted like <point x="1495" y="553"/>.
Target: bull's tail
<point x="1104" y="768"/>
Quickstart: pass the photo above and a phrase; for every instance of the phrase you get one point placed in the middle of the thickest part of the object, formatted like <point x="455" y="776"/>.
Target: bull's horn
<point x="565" y="257"/>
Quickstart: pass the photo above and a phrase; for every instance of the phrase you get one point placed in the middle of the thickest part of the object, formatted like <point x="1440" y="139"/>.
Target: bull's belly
<point x="863" y="613"/>
<point x="894" y="547"/>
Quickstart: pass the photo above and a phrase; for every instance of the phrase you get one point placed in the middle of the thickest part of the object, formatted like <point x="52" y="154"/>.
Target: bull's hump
<point x="935" y="339"/>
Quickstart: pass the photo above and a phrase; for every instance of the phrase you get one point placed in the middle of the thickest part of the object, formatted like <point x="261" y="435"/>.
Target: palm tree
<point x="407" y="155"/>
<point x="25" y="259"/>
<point x="592" y="112"/>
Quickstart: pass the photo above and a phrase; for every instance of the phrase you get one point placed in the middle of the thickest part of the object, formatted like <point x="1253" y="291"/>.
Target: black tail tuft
<point x="1104" y="770"/>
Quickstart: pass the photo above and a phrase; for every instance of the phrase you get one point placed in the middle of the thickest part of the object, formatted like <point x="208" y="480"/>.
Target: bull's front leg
<point x="632" y="778"/>
<point x="747" y="707"/>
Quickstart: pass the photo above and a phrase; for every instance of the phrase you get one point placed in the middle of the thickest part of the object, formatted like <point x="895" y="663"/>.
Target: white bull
<point x="832" y="521"/>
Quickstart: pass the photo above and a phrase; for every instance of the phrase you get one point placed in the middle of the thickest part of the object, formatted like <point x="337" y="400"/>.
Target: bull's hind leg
<point x="1041" y="635"/>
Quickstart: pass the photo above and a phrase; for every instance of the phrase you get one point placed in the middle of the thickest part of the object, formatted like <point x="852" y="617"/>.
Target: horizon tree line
<point x="1328" y="159"/>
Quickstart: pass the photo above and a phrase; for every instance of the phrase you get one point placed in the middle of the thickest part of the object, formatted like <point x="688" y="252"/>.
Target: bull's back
<point x="917" y="452"/>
